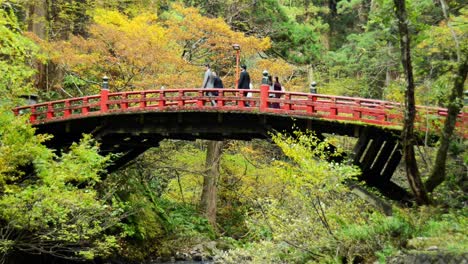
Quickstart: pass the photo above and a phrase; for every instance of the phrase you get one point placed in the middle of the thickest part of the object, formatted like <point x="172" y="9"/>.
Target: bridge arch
<point x="131" y="122"/>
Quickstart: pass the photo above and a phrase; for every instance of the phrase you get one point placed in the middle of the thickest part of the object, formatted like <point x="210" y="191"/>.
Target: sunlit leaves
<point x="436" y="56"/>
<point x="134" y="53"/>
<point x="209" y="40"/>
<point x="81" y="164"/>
<point x="18" y="147"/>
<point x="311" y="155"/>
<point x="46" y="202"/>
<point x="16" y="55"/>
<point x="199" y="35"/>
<point x="307" y="201"/>
<point x="148" y="52"/>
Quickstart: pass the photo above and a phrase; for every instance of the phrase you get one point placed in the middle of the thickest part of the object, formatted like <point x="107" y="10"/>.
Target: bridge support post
<point x="264" y="88"/>
<point x="378" y="157"/>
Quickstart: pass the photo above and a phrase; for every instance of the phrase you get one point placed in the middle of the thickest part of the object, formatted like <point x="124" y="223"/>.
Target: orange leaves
<point x="134" y="53"/>
<point x="275" y="67"/>
<point x="209" y="39"/>
<point x="147" y="52"/>
<point x="140" y="43"/>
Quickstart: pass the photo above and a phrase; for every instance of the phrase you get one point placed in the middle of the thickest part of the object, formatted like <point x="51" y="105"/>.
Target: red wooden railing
<point x="377" y="112"/>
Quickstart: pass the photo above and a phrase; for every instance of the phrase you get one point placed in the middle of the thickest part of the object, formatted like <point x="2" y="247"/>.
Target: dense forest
<point x="261" y="201"/>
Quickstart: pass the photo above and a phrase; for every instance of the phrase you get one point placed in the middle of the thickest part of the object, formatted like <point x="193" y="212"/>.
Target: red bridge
<point x="132" y="122"/>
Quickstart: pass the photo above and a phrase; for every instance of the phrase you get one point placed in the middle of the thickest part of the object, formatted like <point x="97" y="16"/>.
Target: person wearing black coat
<point x="218" y="83"/>
<point x="277" y="87"/>
<point x="244" y="80"/>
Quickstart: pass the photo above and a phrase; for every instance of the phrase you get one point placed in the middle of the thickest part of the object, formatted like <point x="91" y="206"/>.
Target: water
<point x="187" y="262"/>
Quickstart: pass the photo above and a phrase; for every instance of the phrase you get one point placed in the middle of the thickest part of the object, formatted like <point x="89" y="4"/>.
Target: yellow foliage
<point x="209" y="40"/>
<point x="275" y="67"/>
<point x="147" y="52"/>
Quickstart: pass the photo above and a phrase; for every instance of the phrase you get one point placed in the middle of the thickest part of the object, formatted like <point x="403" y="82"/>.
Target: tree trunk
<point x="455" y="105"/>
<point x="411" y="166"/>
<point x="210" y="180"/>
<point x="37" y="23"/>
<point x="37" y="18"/>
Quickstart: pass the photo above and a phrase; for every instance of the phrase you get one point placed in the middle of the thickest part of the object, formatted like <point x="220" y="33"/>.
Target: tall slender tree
<point x="408" y="139"/>
<point x="455" y="104"/>
<point x="210" y="180"/>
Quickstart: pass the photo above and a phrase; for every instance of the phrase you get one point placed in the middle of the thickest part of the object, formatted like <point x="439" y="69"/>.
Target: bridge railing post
<point x="200" y="102"/>
<point x="142" y="100"/>
<point x="333" y="107"/>
<point x="180" y="99"/>
<point x="124" y="103"/>
<point x="240" y="102"/>
<point x="220" y="101"/>
<point x="287" y="103"/>
<point x="50" y="111"/>
<point x="264" y="88"/>
<point x="357" y="113"/>
<point x="67" y="112"/>
<point x="311" y="106"/>
<point x="33" y="115"/>
<point x="85" y="107"/>
<point x="162" y="100"/>
<point x="104" y="94"/>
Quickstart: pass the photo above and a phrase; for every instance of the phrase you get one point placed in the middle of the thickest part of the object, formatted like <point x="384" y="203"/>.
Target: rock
<point x="223" y="245"/>
<point x="198" y="247"/>
<point x="182" y="256"/>
<point x="427" y="258"/>
<point x="163" y="259"/>
<point x="417" y="243"/>
<point x="197" y="257"/>
<point x="432" y="248"/>
<point x="210" y="248"/>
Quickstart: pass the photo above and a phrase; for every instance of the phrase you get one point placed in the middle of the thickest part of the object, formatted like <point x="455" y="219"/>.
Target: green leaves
<point x="47" y="203"/>
<point x="311" y="155"/>
<point x="16" y="55"/>
<point x="82" y="164"/>
<point x="301" y="36"/>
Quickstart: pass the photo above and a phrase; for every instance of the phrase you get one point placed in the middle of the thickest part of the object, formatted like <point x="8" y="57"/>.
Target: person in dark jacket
<point x="244" y="80"/>
<point x="218" y="83"/>
<point x="277" y="87"/>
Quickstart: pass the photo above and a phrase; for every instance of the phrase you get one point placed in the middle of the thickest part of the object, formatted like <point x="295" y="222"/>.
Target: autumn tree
<point x="134" y="53"/>
<point x="16" y="56"/>
<point x="147" y="52"/>
<point x="209" y="40"/>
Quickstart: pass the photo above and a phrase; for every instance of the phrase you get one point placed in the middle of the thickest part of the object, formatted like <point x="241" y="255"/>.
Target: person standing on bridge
<point x="208" y="81"/>
<point x="218" y="83"/>
<point x="277" y="87"/>
<point x="244" y="80"/>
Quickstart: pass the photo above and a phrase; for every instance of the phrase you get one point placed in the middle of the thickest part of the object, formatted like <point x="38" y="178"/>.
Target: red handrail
<point x="369" y="111"/>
